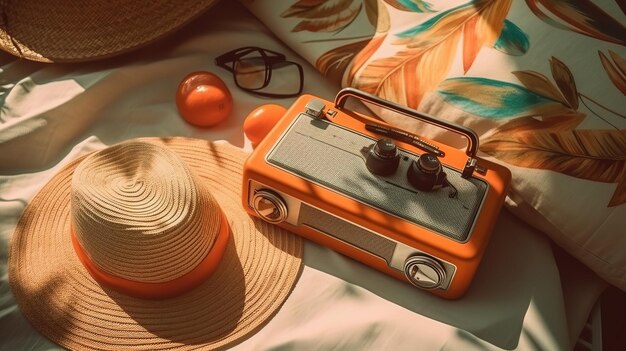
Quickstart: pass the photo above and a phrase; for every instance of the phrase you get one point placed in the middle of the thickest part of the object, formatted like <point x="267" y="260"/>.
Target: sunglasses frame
<point x="269" y="57"/>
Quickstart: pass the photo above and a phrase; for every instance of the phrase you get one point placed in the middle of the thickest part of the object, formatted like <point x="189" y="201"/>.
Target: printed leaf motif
<point x="597" y="155"/>
<point x="622" y="5"/>
<point x="378" y="15"/>
<point x="333" y="63"/>
<point x="616" y="69"/>
<point x="411" y="5"/>
<point x="361" y="58"/>
<point x="471" y="43"/>
<point x="323" y="15"/>
<point x="301" y="7"/>
<point x="430" y="49"/>
<point x="496" y="99"/>
<point x="620" y="62"/>
<point x="565" y="81"/>
<point x="540" y="84"/>
<point x="554" y="123"/>
<point x="581" y="16"/>
<point x="512" y="40"/>
<point x="619" y="196"/>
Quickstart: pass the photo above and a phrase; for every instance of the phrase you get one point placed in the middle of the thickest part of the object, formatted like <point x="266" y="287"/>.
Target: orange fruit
<point x="203" y="99"/>
<point x="261" y="120"/>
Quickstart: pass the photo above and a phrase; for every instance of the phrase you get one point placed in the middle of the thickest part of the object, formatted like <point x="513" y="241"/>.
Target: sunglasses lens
<point x="285" y="79"/>
<point x="263" y="72"/>
<point x="267" y="74"/>
<point x="251" y="73"/>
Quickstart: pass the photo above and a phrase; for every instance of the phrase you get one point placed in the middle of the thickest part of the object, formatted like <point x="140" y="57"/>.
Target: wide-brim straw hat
<point x="74" y="31"/>
<point x="99" y="255"/>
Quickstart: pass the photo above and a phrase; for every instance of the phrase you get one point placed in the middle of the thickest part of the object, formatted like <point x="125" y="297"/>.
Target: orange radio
<point x="415" y="209"/>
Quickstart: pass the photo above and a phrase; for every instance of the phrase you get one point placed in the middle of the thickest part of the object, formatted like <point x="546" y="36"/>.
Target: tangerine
<point x="203" y="99"/>
<point x="261" y="120"/>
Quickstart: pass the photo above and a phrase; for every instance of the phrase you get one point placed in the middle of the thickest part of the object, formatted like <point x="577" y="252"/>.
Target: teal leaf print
<point x="423" y="27"/>
<point x="512" y="40"/>
<point x="497" y="99"/>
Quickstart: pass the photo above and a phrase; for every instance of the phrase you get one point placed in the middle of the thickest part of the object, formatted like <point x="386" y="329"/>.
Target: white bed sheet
<point x="520" y="299"/>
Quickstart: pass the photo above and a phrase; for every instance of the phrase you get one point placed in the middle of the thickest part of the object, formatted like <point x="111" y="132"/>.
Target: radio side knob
<point x="269" y="206"/>
<point x="424" y="272"/>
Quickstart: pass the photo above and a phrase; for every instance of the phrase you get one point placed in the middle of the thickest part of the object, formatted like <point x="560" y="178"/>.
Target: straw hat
<point x="146" y="245"/>
<point x="73" y="30"/>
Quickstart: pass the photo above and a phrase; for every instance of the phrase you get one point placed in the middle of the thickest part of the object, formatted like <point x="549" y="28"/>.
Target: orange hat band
<point x="161" y="290"/>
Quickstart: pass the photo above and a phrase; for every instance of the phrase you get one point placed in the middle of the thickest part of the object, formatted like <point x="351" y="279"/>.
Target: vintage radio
<point x="415" y="209"/>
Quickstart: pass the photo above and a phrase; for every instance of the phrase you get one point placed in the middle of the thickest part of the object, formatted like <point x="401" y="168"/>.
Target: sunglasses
<point x="263" y="72"/>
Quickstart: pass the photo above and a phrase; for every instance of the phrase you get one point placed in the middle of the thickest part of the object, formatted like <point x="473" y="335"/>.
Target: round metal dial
<point x="269" y="206"/>
<point x="424" y="272"/>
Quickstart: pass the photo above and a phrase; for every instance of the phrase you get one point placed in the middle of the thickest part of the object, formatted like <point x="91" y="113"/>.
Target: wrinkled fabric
<point x="520" y="298"/>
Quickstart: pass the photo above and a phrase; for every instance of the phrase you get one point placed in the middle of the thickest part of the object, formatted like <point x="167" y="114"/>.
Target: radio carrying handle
<point x="472" y="138"/>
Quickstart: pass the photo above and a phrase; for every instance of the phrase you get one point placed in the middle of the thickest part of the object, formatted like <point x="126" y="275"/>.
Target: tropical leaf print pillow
<point x="543" y="82"/>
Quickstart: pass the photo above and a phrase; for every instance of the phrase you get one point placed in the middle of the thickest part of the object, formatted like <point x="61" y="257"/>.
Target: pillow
<point x="542" y="82"/>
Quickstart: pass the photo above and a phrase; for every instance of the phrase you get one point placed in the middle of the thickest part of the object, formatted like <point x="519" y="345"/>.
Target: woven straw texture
<point x="81" y="30"/>
<point x="155" y="222"/>
<point x="258" y="271"/>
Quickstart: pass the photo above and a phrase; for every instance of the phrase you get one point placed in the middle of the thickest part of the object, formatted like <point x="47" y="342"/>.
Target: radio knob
<point x="383" y="157"/>
<point x="428" y="163"/>
<point x="269" y="206"/>
<point x="426" y="173"/>
<point x="424" y="272"/>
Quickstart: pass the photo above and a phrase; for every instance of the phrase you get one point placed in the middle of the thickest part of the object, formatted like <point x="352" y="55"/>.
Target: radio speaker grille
<point x="347" y="232"/>
<point x="332" y="156"/>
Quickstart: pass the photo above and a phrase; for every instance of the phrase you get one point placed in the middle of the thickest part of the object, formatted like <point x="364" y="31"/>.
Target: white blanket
<point x="51" y="113"/>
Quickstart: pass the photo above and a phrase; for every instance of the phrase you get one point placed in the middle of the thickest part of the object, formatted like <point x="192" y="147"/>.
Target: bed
<point x="553" y="251"/>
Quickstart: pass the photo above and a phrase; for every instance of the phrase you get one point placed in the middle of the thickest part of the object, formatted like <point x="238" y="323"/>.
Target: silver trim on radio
<point x="401" y="253"/>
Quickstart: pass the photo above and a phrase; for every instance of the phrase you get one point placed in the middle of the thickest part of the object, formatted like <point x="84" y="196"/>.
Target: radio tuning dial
<point x="426" y="173"/>
<point x="383" y="157"/>
<point x="428" y="163"/>
<point x="424" y="272"/>
<point x="269" y="206"/>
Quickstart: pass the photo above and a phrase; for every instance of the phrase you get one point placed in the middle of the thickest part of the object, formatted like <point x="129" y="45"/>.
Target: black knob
<point x="383" y="157"/>
<point x="385" y="148"/>
<point x="426" y="173"/>
<point x="428" y="163"/>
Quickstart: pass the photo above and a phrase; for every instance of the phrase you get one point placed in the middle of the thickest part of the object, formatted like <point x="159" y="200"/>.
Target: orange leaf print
<point x="405" y="77"/>
<point x="429" y="50"/>
<point x="581" y="16"/>
<point x="565" y="81"/>
<point x="471" y="43"/>
<point x="482" y="30"/>
<point x="554" y="123"/>
<point x="616" y="69"/>
<point x="323" y="15"/>
<point x="377" y="15"/>
<point x="620" y="62"/>
<point x="596" y="155"/>
<point x="361" y="58"/>
<point x="619" y="197"/>
<point x="540" y="84"/>
<point x="333" y="63"/>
